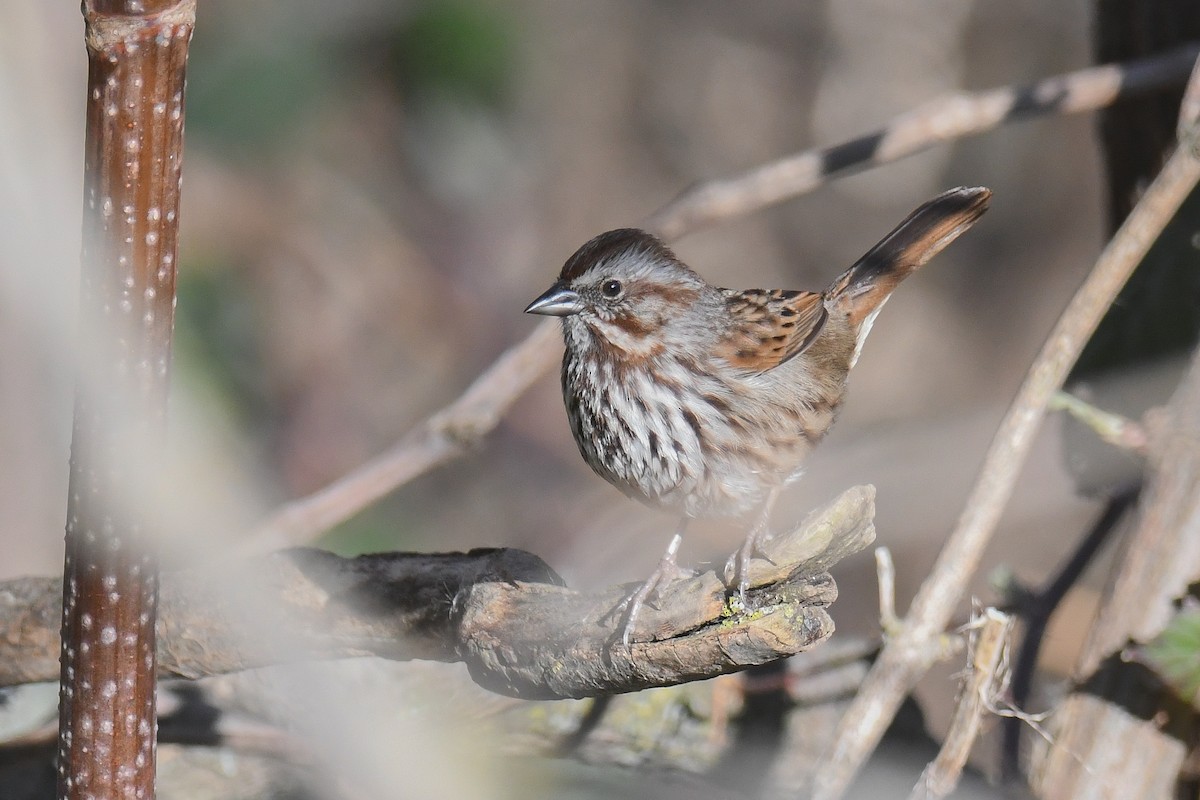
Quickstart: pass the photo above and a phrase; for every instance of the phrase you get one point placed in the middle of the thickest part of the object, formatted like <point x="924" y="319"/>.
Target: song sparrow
<point x="703" y="400"/>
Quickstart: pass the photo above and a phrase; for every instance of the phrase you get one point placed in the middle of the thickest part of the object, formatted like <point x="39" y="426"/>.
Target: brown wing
<point x="770" y="326"/>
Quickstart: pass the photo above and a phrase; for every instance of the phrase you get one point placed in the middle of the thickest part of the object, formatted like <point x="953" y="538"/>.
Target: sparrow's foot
<point x="666" y="571"/>
<point x="739" y="562"/>
<point x="759" y="535"/>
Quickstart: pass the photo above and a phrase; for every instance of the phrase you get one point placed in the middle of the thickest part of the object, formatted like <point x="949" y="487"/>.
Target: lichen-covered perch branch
<point x="502" y="612"/>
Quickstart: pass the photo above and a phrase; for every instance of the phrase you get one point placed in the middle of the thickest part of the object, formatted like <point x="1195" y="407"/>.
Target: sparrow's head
<point x="626" y="289"/>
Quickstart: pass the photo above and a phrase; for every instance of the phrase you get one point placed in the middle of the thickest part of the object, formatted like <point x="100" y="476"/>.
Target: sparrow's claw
<point x="666" y="571"/>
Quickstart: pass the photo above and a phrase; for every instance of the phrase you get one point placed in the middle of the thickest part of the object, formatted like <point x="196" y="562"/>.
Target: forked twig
<point x="903" y="659"/>
<point x="1112" y="428"/>
<point x="985" y="679"/>
<point x="449" y="433"/>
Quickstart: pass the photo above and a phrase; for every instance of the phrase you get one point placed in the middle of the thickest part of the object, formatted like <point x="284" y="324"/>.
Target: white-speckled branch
<point x="133" y="149"/>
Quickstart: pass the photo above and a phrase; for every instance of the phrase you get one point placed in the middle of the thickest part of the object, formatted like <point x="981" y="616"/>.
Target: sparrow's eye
<point x="611" y="289"/>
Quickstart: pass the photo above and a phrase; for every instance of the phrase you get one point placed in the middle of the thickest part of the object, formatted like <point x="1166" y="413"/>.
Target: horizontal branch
<point x="503" y="612"/>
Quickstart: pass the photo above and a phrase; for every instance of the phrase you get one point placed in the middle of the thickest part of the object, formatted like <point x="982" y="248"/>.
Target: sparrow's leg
<point x="666" y="570"/>
<point x="753" y="544"/>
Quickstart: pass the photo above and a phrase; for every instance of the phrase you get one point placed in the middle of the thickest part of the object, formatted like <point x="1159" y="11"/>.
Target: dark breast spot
<point x="718" y="403"/>
<point x="706" y="446"/>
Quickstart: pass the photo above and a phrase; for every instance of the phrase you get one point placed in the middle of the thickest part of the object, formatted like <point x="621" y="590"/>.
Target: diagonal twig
<point x="904" y="658"/>
<point x="450" y="433"/>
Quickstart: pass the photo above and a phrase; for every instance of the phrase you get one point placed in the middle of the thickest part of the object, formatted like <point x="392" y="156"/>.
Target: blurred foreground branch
<point x="905" y="657"/>
<point x="450" y="433"/>
<point x="133" y="159"/>
<point x="499" y="611"/>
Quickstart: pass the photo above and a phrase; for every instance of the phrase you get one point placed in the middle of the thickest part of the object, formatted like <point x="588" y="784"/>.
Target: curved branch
<point x="450" y="433"/>
<point x="500" y="611"/>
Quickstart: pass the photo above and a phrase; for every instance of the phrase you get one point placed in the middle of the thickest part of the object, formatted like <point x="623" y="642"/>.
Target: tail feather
<point x="862" y="289"/>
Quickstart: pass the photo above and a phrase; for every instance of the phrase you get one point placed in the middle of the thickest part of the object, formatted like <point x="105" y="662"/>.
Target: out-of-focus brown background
<point x="373" y="191"/>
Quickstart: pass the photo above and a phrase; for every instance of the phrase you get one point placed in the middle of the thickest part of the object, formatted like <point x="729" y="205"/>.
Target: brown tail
<point x="863" y="288"/>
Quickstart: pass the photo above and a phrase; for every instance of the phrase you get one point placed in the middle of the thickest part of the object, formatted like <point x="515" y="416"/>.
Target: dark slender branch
<point x="137" y="53"/>
<point x="1035" y="611"/>
<point x="499" y="611"/>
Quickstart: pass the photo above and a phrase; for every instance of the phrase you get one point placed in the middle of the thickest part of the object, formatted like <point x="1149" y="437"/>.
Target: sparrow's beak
<point x="557" y="301"/>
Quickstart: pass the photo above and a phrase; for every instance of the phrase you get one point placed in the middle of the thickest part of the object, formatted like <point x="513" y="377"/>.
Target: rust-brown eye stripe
<point x="632" y="325"/>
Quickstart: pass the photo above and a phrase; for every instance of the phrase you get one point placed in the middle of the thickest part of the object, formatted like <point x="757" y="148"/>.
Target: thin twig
<point x="441" y="438"/>
<point x="984" y="681"/>
<point x="1112" y="428"/>
<point x="885" y="574"/>
<point x="1189" y="107"/>
<point x="903" y="659"/>
<point x="451" y="432"/>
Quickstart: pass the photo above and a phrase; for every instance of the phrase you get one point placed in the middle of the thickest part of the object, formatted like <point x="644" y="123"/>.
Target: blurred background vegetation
<point x="373" y="191"/>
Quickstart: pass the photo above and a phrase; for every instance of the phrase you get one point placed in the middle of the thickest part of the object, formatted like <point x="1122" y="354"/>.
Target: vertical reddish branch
<point x="137" y="52"/>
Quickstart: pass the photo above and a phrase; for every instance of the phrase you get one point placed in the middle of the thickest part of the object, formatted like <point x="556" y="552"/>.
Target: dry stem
<point x="984" y="681"/>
